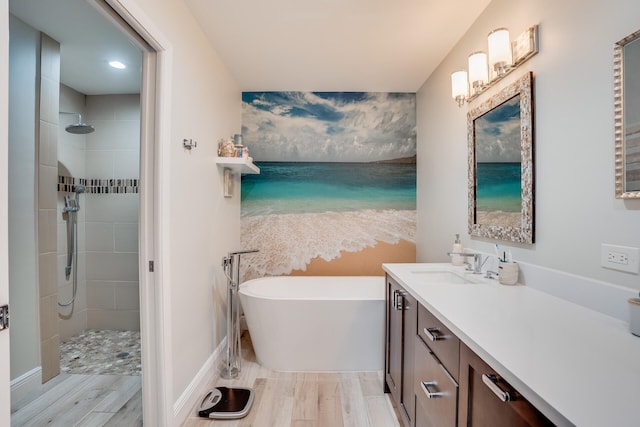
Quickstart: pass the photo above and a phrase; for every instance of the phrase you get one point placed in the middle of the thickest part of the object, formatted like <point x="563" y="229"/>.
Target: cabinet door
<point x="401" y="329"/>
<point x="486" y="399"/>
<point x="409" y="333"/>
<point x="393" y="356"/>
<point x="436" y="391"/>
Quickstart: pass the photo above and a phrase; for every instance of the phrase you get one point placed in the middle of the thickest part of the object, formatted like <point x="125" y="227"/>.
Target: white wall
<point x="576" y="210"/>
<point x="203" y="225"/>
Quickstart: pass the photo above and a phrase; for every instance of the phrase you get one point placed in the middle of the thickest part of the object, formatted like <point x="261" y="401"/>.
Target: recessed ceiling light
<point x="117" y="64"/>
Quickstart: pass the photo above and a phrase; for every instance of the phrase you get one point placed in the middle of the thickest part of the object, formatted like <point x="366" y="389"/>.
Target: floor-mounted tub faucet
<point x="233" y="360"/>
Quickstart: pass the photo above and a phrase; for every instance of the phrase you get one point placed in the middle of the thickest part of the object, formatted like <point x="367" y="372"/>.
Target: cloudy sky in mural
<point x="329" y="127"/>
<point x="498" y="134"/>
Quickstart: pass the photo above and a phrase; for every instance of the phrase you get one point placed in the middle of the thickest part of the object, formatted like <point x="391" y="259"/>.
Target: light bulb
<point x="500" y="57"/>
<point x="478" y="72"/>
<point x="459" y="87"/>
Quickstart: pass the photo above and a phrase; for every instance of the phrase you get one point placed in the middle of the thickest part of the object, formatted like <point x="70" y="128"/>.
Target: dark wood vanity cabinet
<point x="435" y="380"/>
<point x="486" y="399"/>
<point x="401" y="323"/>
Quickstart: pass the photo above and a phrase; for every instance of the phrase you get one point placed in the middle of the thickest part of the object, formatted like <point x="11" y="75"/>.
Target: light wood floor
<point x="82" y="400"/>
<point x="305" y="399"/>
<point x="282" y="399"/>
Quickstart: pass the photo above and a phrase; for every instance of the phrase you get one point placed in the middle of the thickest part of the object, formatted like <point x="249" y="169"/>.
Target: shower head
<point x="78" y="189"/>
<point x="78" y="128"/>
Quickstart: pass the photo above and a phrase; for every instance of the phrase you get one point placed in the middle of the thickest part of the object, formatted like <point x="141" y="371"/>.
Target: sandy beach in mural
<point x="367" y="262"/>
<point x="353" y="242"/>
<point x="503" y="219"/>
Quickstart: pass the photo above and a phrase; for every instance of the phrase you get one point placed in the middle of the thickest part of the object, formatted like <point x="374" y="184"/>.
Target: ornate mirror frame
<point x="502" y="124"/>
<point x="626" y="61"/>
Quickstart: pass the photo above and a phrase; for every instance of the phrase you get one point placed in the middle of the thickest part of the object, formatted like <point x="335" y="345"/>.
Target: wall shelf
<point x="238" y="165"/>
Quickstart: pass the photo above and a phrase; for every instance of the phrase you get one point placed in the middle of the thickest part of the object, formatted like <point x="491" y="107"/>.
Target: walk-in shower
<point x="78" y="128"/>
<point x="71" y="208"/>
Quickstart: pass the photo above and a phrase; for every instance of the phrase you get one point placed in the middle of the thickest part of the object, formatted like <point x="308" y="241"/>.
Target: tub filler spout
<point x="232" y="364"/>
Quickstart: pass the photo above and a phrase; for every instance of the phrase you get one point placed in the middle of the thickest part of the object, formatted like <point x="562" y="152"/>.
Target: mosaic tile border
<point x="68" y="184"/>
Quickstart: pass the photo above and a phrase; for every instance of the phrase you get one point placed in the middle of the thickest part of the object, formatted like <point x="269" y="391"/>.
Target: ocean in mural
<point x="337" y="175"/>
<point x="295" y="187"/>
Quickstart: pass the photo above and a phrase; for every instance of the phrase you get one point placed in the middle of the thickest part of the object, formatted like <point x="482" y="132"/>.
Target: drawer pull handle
<point x="430" y="394"/>
<point x="433" y="334"/>
<point x="491" y="382"/>
<point x="400" y="300"/>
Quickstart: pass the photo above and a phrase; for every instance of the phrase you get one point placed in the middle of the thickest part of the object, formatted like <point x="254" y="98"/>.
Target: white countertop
<point x="576" y="365"/>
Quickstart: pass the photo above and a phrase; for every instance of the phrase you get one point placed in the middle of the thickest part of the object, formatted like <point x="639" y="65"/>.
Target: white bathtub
<point x="314" y="323"/>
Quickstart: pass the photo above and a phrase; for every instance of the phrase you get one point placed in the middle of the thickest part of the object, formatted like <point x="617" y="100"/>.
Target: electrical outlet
<point x="618" y="258"/>
<point x="621" y="258"/>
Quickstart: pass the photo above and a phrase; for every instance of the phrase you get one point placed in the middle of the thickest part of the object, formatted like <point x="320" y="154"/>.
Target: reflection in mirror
<point x="498" y="164"/>
<point x="627" y="115"/>
<point x="501" y="165"/>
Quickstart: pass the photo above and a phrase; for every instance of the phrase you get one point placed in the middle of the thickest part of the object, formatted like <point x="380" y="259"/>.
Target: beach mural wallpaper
<point x="336" y="193"/>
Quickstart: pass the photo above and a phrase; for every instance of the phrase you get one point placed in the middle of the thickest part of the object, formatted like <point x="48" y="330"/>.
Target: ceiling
<point x="334" y="45"/>
<point x="88" y="41"/>
<point x="272" y="45"/>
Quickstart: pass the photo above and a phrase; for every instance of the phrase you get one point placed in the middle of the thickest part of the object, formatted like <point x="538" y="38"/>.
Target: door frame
<point x="5" y="371"/>
<point x="155" y="321"/>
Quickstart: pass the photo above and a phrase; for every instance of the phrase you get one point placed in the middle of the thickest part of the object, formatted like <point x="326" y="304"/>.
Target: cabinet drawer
<point x="444" y="344"/>
<point x="487" y="400"/>
<point x="436" y="392"/>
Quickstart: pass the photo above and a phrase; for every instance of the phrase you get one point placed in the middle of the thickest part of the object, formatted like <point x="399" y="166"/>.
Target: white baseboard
<point x="26" y="383"/>
<point x="197" y="387"/>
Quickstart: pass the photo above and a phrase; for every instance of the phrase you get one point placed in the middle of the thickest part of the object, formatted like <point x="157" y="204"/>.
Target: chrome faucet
<point x="228" y="263"/>
<point x="477" y="264"/>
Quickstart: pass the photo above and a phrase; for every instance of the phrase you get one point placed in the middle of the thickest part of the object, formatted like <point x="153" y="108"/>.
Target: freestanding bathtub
<point x="316" y="323"/>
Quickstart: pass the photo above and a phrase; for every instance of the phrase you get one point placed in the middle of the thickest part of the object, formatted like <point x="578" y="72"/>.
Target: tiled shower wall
<point x="47" y="212"/>
<point x="107" y="162"/>
<point x="71" y="162"/>
<point x="113" y="152"/>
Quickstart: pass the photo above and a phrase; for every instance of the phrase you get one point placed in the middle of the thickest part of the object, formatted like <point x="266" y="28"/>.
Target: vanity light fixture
<point x="486" y="70"/>
<point x="117" y="64"/>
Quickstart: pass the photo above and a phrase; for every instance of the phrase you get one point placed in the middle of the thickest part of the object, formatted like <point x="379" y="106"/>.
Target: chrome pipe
<point x="233" y="364"/>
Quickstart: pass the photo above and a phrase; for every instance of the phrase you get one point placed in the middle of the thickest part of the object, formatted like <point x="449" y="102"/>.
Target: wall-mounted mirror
<point x="501" y="177"/>
<point x="626" y="73"/>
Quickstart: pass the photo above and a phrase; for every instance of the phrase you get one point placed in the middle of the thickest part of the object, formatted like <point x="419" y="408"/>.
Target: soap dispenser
<point x="457" y="248"/>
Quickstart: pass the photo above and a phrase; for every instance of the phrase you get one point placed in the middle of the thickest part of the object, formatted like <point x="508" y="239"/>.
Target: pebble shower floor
<point x="102" y="352"/>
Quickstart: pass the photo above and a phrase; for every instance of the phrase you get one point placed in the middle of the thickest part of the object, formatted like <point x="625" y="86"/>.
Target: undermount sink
<point x="442" y="277"/>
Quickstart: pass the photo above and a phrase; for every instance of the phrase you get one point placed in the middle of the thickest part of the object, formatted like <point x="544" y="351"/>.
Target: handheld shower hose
<point x="72" y="208"/>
